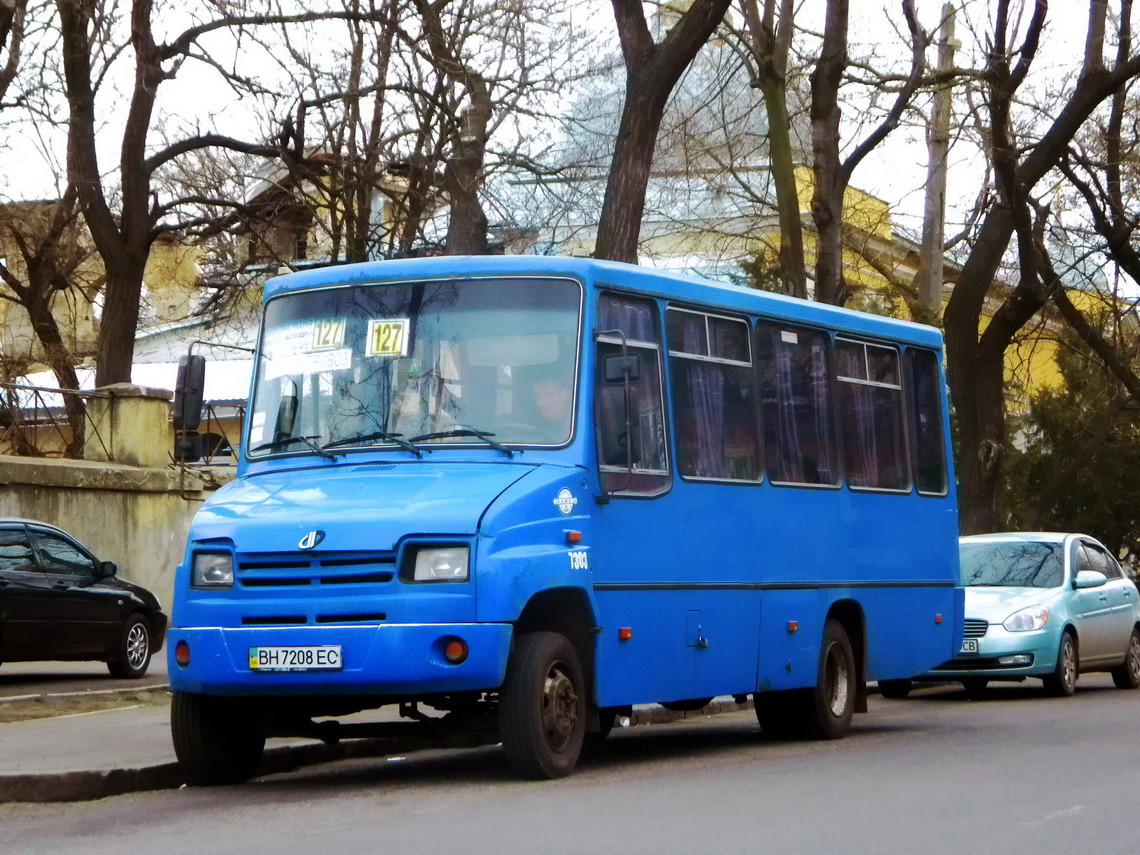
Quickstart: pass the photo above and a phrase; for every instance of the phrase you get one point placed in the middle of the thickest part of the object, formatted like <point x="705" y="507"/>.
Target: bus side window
<point x="871" y="413"/>
<point x="926" y="423"/>
<point x="795" y="404"/>
<point x="714" y="396"/>
<point x="644" y="443"/>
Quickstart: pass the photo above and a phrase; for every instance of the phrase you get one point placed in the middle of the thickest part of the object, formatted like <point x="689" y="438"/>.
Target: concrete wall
<point x="136" y="517"/>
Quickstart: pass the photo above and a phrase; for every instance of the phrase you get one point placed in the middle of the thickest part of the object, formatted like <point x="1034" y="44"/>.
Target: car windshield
<point x="1022" y="564"/>
<point x="432" y="363"/>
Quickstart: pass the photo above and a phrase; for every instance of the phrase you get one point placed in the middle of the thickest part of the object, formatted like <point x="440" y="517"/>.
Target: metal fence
<point x="215" y="443"/>
<point x="42" y="422"/>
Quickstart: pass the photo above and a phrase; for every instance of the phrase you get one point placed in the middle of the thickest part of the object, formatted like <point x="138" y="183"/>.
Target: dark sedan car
<point x="58" y="601"/>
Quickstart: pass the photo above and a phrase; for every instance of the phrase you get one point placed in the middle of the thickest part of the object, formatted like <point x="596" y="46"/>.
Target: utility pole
<point x="937" y="146"/>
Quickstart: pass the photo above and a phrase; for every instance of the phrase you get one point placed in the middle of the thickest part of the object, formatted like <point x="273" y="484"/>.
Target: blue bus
<point x="523" y="494"/>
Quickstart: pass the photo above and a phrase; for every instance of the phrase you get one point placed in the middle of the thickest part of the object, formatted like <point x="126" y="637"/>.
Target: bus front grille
<point x="293" y="569"/>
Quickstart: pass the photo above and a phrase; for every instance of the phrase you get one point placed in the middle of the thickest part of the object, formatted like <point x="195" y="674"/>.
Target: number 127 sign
<point x="387" y="338"/>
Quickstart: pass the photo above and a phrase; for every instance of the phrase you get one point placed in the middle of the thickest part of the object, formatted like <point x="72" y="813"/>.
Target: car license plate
<point x="323" y="658"/>
<point x="970" y="645"/>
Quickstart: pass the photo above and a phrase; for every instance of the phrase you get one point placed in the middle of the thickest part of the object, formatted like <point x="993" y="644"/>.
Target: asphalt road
<point x="938" y="773"/>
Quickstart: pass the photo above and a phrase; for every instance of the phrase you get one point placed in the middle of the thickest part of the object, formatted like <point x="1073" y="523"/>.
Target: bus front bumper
<point x="384" y="659"/>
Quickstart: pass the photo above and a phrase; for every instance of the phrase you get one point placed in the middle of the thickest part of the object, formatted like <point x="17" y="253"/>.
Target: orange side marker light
<point x="625" y="633"/>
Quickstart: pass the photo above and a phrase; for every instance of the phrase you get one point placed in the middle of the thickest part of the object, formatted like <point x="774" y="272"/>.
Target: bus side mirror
<point x="188" y="447"/>
<point x="619" y="367"/>
<point x="188" y="392"/>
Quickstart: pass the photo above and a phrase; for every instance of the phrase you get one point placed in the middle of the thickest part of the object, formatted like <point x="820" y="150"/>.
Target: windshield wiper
<point x="478" y="434"/>
<point x="289" y="440"/>
<point x="377" y="434"/>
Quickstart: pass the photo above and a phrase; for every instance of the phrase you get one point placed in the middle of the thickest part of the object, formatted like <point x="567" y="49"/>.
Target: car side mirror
<point x="1089" y="579"/>
<point x="107" y="568"/>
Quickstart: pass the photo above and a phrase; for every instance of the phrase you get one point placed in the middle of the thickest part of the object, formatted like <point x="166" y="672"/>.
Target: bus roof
<point x="660" y="283"/>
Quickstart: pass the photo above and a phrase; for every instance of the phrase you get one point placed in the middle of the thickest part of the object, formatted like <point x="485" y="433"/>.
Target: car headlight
<point x="212" y="570"/>
<point x="1027" y="619"/>
<point x="441" y="564"/>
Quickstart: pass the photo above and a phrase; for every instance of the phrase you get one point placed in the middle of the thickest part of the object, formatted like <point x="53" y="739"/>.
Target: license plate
<point x="970" y="645"/>
<point x="323" y="658"/>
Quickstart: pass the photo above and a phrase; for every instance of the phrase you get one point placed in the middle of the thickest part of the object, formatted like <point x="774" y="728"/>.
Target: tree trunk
<point x="793" y="270"/>
<point x="624" y="204"/>
<point x="652" y="70"/>
<point x="463" y="179"/>
<point x="119" y="321"/>
<point x="827" y="194"/>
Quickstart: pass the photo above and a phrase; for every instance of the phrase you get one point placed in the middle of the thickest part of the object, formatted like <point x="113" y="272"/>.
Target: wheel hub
<point x="837" y="682"/>
<point x="559" y="707"/>
<point x="136" y="646"/>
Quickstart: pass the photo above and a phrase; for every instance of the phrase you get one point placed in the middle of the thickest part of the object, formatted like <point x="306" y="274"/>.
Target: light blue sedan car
<point x="1051" y="606"/>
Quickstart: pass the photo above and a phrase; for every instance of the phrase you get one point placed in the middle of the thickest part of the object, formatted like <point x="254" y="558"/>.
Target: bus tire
<point x="214" y="739"/>
<point x="832" y="701"/>
<point x="542" y="707"/>
<point x="896" y="690"/>
<point x="780" y="714"/>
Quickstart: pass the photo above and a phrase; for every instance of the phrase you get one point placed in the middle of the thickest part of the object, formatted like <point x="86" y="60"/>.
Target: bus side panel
<point x="790" y="633"/>
<point x="907" y="628"/>
<point x="681" y="644"/>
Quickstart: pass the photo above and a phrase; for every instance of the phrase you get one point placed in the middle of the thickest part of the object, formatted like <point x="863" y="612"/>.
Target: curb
<point x="98" y="784"/>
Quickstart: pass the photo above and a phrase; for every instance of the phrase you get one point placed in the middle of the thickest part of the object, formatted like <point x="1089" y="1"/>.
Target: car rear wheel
<point x="215" y="739"/>
<point x="542" y="707"/>
<point x="131" y="657"/>
<point x="1127" y="674"/>
<point x="895" y="689"/>
<point x="1063" y="681"/>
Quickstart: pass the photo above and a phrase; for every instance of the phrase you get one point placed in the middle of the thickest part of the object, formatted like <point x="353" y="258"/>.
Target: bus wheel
<point x="895" y="689"/>
<point x="542" y="707"/>
<point x="214" y="739"/>
<point x="833" y="698"/>
<point x="780" y="714"/>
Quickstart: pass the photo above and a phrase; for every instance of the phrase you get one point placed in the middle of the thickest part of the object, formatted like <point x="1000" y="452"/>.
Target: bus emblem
<point x="565" y="501"/>
<point x="311" y="539"/>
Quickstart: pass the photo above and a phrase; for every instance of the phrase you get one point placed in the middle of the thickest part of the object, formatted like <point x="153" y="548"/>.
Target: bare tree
<point x="976" y="350"/>
<point x="50" y="262"/>
<point x="124" y="227"/>
<point x="652" y="70"/>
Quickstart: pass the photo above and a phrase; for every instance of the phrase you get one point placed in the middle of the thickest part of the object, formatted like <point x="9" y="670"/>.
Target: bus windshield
<point x="431" y="363"/>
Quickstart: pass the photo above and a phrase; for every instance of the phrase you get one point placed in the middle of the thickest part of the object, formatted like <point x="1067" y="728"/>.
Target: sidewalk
<point x="127" y="747"/>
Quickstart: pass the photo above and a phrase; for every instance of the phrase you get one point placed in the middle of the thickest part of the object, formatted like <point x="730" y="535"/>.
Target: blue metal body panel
<point x="390" y="659"/>
<point x="707" y="576"/>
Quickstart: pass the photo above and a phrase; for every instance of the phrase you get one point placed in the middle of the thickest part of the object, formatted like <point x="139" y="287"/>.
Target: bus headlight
<point x="441" y="564"/>
<point x="212" y="570"/>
